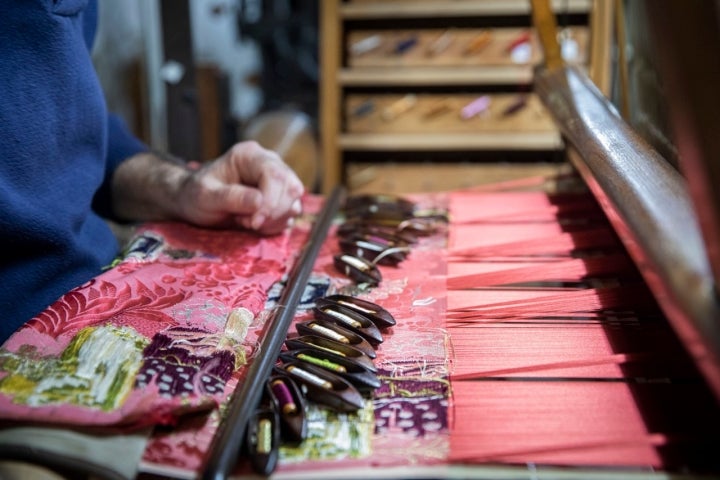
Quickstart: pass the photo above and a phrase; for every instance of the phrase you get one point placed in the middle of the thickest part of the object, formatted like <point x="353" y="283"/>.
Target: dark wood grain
<point x="227" y="442"/>
<point x="647" y="201"/>
<point x="686" y="40"/>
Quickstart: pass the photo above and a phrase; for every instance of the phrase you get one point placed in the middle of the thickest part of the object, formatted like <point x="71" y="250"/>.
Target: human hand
<point x="248" y="186"/>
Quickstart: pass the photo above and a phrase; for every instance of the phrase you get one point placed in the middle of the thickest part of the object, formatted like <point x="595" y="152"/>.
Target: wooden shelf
<point x="451" y="141"/>
<point x="399" y="178"/>
<point x="441" y="114"/>
<point x="375" y="53"/>
<point x="458" y="47"/>
<point x="367" y="10"/>
<point x="429" y="76"/>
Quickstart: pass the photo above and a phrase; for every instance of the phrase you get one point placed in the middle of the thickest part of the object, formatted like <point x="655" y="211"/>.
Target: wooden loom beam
<point x="687" y="40"/>
<point x="226" y="445"/>
<point x="647" y="202"/>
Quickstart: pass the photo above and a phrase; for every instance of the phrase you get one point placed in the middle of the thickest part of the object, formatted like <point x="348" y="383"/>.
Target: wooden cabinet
<point x="442" y="87"/>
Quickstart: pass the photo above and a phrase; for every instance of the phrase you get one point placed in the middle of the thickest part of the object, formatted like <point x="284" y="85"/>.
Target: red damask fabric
<point x="157" y="335"/>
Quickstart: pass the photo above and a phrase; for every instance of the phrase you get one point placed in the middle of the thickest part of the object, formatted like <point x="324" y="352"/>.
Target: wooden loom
<point x="667" y="221"/>
<point x="591" y="375"/>
<point x="560" y="355"/>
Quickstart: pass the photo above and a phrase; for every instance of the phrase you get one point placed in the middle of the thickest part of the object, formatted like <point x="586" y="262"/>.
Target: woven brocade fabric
<point x="162" y="332"/>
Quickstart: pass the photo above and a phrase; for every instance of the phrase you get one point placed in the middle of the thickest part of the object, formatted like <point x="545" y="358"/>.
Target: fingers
<point x="254" y="186"/>
<point x="270" y="226"/>
<point x="276" y="180"/>
<point x="280" y="188"/>
<point x="208" y="200"/>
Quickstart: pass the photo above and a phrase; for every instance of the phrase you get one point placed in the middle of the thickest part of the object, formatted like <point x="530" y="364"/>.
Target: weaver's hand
<point x="248" y="186"/>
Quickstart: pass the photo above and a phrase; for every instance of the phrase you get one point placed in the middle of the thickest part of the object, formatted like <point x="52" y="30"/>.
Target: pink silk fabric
<point x="181" y="293"/>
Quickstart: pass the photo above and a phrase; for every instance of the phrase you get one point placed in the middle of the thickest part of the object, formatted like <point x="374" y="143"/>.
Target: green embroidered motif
<point x="97" y="369"/>
<point x="333" y="435"/>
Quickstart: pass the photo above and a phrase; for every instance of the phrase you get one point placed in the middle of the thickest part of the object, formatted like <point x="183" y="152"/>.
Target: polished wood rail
<point x="649" y="204"/>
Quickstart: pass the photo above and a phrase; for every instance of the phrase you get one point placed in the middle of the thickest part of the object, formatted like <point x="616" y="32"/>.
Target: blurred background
<point x="192" y="77"/>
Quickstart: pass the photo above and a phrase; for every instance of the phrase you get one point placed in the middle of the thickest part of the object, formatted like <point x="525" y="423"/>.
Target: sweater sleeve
<point x="122" y="144"/>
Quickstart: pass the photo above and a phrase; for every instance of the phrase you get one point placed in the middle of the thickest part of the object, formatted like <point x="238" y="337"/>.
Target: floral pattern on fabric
<point x="195" y="303"/>
<point x="160" y="333"/>
<point x="408" y="416"/>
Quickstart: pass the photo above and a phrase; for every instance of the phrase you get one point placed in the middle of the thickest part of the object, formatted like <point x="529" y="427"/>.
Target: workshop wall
<point x="121" y="52"/>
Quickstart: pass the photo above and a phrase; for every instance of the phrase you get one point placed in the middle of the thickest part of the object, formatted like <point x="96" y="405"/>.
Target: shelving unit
<point x="396" y="76"/>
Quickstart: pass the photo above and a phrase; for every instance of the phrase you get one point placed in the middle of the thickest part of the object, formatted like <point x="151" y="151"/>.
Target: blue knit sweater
<point x="58" y="149"/>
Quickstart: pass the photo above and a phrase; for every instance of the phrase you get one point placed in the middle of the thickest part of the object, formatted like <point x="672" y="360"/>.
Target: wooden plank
<point x="497" y="49"/>
<point x="430" y="8"/>
<point x="330" y="60"/>
<point x="688" y="51"/>
<point x="212" y="110"/>
<point x="452" y="142"/>
<point x="600" y="69"/>
<point x="183" y="127"/>
<point x="441" y="76"/>
<point x="399" y="178"/>
<point x="547" y="31"/>
<point x="435" y="114"/>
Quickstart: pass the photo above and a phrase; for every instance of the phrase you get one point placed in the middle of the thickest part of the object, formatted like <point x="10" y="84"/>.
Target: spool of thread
<point x="399" y="107"/>
<point x="518" y="104"/>
<point x="405" y="45"/>
<point x="365" y="108"/>
<point x="366" y="45"/>
<point x="322" y="362"/>
<point x="523" y="38"/>
<point x="264" y="437"/>
<point x="440" y="44"/>
<point x="329" y="333"/>
<point x="342" y="317"/>
<point x="478" y="43"/>
<point x="309" y="377"/>
<point x="438" y="108"/>
<point x="476" y="107"/>
<point x="284" y="397"/>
